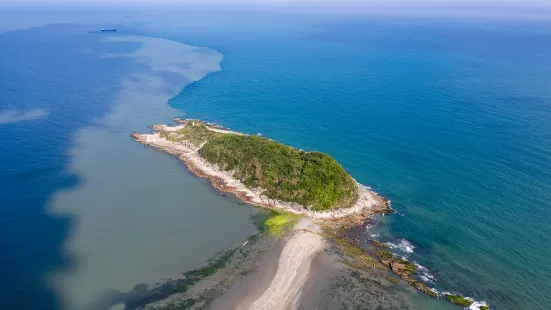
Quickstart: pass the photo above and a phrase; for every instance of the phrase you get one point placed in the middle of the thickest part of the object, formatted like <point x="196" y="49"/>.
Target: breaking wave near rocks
<point x="403" y="246"/>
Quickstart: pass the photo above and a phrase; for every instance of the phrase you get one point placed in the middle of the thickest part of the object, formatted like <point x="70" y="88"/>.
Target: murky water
<point x="138" y="216"/>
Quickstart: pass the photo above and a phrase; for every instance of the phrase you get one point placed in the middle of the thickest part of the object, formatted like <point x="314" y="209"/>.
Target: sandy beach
<point x="280" y="277"/>
<point x="293" y="270"/>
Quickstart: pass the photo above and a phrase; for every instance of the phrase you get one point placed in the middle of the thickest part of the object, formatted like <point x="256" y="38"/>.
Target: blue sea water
<point x="33" y="152"/>
<point x="450" y="119"/>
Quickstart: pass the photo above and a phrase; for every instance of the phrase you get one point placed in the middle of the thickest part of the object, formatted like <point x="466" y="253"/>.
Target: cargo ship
<point x="112" y="29"/>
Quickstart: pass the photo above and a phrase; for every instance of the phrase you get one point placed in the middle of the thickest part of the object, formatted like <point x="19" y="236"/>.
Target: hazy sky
<point x="483" y="8"/>
<point x="286" y="2"/>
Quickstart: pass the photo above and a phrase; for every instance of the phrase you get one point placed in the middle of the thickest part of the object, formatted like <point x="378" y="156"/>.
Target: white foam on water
<point x="476" y="304"/>
<point x="435" y="291"/>
<point x="427" y="278"/>
<point x="424" y="273"/>
<point x="403" y="245"/>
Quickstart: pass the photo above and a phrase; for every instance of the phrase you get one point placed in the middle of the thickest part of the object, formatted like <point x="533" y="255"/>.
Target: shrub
<point x="309" y="178"/>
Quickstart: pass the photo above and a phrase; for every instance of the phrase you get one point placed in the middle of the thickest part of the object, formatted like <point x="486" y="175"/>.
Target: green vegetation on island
<point x="312" y="179"/>
<point x="458" y="300"/>
<point x="196" y="134"/>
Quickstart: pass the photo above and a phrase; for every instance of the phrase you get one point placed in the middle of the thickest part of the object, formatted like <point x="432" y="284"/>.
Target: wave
<point x="403" y="245"/>
<point x="424" y="273"/>
<point x="476" y="304"/>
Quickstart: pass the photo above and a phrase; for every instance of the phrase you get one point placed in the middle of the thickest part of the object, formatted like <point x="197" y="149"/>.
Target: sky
<point x="286" y="2"/>
<point x="484" y="8"/>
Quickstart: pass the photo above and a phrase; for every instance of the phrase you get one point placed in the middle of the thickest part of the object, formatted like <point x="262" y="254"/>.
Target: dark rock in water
<point x="354" y="233"/>
<point x="385" y="255"/>
<point x="398" y="268"/>
<point x="458" y="300"/>
<point x="403" y="268"/>
<point x="379" y="244"/>
<point x="423" y="288"/>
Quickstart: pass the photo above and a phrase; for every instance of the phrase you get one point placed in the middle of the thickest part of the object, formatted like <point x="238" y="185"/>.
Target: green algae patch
<point x="379" y="244"/>
<point x="357" y="257"/>
<point x="409" y="266"/>
<point x="351" y="254"/>
<point x="392" y="279"/>
<point x="385" y="255"/>
<point x="458" y="300"/>
<point x="214" y="264"/>
<point x="277" y="224"/>
<point x="484" y="308"/>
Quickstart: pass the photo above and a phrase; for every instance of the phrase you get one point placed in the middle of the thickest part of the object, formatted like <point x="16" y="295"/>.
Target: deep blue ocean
<point x="57" y="69"/>
<point x="449" y="118"/>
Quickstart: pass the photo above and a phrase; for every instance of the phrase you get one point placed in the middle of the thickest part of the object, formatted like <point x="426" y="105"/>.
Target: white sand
<point x="292" y="272"/>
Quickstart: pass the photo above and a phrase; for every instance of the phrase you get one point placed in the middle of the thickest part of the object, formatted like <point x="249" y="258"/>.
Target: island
<point x="264" y="172"/>
<point x="315" y="205"/>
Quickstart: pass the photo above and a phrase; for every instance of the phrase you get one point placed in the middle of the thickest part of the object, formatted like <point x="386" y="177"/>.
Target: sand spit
<point x="292" y="273"/>
<point x="262" y="273"/>
<point x="302" y="271"/>
<point x="278" y="280"/>
<point x="368" y="202"/>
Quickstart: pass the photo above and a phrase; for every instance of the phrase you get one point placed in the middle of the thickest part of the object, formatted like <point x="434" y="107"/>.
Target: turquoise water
<point x="450" y="119"/>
